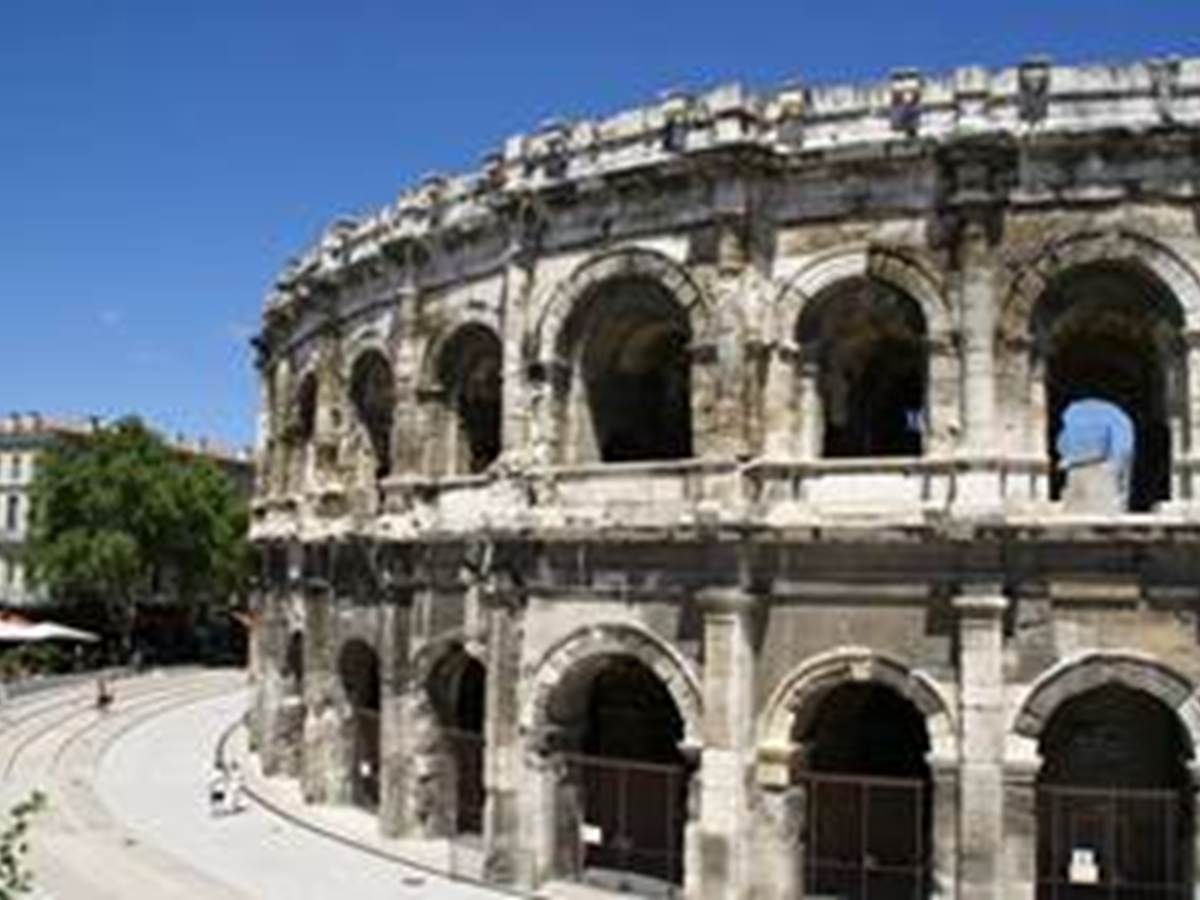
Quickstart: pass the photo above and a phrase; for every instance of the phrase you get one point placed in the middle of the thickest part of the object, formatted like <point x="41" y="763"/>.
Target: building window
<point x="12" y="512"/>
<point x="15" y="467"/>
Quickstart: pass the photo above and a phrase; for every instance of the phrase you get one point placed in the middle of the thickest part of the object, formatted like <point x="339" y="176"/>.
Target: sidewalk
<point x="458" y="859"/>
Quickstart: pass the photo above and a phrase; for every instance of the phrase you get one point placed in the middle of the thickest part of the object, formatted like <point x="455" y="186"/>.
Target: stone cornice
<point x="793" y="127"/>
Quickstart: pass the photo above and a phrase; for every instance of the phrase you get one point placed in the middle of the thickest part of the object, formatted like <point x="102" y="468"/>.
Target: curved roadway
<point x="128" y="815"/>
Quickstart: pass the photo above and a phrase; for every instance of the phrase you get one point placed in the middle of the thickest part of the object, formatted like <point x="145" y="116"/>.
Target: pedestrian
<point x="234" y="799"/>
<point x="104" y="696"/>
<point x="218" y="790"/>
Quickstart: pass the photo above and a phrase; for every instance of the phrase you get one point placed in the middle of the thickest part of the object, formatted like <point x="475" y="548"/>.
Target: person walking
<point x="218" y="790"/>
<point x="236" y="786"/>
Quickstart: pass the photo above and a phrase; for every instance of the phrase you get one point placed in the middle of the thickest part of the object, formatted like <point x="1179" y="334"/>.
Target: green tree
<point x="119" y="517"/>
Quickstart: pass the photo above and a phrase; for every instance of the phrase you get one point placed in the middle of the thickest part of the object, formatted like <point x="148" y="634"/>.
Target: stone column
<point x="709" y="439"/>
<point x="944" y="774"/>
<point x="394" y="726"/>
<point x="1020" y="829"/>
<point x="781" y="811"/>
<point x="1190" y="404"/>
<point x="782" y="416"/>
<point x="980" y="610"/>
<point x="811" y="437"/>
<point x="978" y="303"/>
<point x="272" y="647"/>
<point x="502" y="737"/>
<point x="323" y="779"/>
<point x="728" y="755"/>
<point x="1194" y="772"/>
<point x="943" y="396"/>
<point x="515" y="424"/>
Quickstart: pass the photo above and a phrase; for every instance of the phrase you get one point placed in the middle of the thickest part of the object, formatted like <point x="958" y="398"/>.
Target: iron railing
<point x="866" y="837"/>
<point x="1112" y="844"/>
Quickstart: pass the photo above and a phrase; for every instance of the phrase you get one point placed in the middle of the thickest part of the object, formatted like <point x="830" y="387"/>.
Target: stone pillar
<point x="944" y="774"/>
<point x="1194" y="772"/>
<point x="811" y="437"/>
<point x="981" y="721"/>
<point x="323" y="777"/>
<point x="1190" y="404"/>
<point x="394" y="725"/>
<point x="272" y="647"/>
<point x="1020" y="829"/>
<point x="978" y="303"/>
<point x="782" y="416"/>
<point x="943" y="396"/>
<point x="781" y="811"/>
<point x="502" y="737"/>
<point x="709" y="438"/>
<point x="515" y="424"/>
<point x="727" y="759"/>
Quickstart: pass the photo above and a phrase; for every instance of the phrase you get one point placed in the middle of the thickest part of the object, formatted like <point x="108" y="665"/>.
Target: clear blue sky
<point x="160" y="160"/>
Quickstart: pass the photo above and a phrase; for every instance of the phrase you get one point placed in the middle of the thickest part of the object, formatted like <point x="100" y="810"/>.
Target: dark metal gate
<point x="364" y="742"/>
<point x="1112" y="844"/>
<point x="466" y="747"/>
<point x="865" y="837"/>
<point x="633" y="815"/>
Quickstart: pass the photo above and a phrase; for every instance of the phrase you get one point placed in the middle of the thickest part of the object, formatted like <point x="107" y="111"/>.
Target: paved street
<point x="129" y="816"/>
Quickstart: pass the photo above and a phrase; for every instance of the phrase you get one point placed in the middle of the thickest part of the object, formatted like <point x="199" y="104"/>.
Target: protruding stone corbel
<point x="1164" y="80"/>
<point x="793" y="106"/>
<point x="905" y="112"/>
<point x="1033" y="90"/>
<point x="676" y="111"/>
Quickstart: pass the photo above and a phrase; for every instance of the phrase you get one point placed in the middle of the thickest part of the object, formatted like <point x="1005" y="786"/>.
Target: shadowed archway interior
<point x="358" y="672"/>
<point x="635" y="366"/>
<point x="1115" y="798"/>
<point x="868" y="339"/>
<point x="1110" y="333"/>
<point x="868" y="795"/>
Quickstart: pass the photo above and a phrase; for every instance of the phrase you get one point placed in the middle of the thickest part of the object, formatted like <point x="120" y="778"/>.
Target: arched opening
<point x="1106" y="333"/>
<point x="301" y="429"/>
<point x="623" y="802"/>
<point x="373" y="396"/>
<point x="469" y="369"/>
<point x="868" y="794"/>
<point x="305" y="425"/>
<point x="869" y="341"/>
<point x="458" y="687"/>
<point x="634" y="362"/>
<point x="358" y="671"/>
<point x="1115" y="811"/>
<point x="293" y="665"/>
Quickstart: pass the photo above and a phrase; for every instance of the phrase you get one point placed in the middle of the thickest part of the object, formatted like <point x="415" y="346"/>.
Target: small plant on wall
<point x="15" y="877"/>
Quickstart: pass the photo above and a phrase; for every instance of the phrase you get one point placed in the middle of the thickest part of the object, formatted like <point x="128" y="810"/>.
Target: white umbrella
<point x="18" y="631"/>
<point x="52" y="631"/>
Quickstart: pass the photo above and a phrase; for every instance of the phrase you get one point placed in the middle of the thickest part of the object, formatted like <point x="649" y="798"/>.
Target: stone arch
<point x="796" y="698"/>
<point x="449" y="798"/>
<point x="433" y="653"/>
<point x="569" y="658"/>
<point x="902" y="268"/>
<point x="1150" y="257"/>
<point x="1080" y="674"/>
<point x="371" y="390"/>
<point x="551" y="335"/>
<point x="461" y="411"/>
<point x="436" y="344"/>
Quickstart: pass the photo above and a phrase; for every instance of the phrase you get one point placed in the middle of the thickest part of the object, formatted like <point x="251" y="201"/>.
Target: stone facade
<point x="719" y="436"/>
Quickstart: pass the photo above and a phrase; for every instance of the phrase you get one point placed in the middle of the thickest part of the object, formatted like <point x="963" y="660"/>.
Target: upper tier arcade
<point x="866" y="307"/>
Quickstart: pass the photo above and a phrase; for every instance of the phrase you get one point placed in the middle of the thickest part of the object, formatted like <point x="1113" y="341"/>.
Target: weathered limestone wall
<point x="1034" y="219"/>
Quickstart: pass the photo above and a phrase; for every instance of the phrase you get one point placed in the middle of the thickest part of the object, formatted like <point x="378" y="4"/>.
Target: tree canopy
<point x="119" y="517"/>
